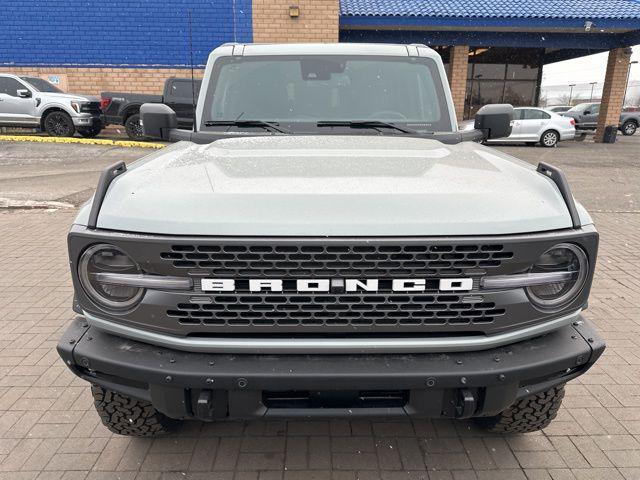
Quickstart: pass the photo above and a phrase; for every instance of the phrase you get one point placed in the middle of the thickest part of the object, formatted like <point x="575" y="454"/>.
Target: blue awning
<point x="498" y="9"/>
<point x="580" y="23"/>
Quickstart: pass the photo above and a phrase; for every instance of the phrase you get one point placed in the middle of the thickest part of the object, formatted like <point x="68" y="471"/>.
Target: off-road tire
<point x="59" y="124"/>
<point x="549" y="139"/>
<point x="125" y="415"/>
<point x="528" y="414"/>
<point x="629" y="128"/>
<point x="133" y="128"/>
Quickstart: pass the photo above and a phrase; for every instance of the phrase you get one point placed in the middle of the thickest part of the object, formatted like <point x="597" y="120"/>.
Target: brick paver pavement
<point x="49" y="430"/>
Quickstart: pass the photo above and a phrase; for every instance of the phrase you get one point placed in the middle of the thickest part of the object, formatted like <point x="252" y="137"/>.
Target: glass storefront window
<point x="488" y="71"/>
<point x="483" y="92"/>
<point x="502" y="75"/>
<point x="522" y="72"/>
<point x="520" y="94"/>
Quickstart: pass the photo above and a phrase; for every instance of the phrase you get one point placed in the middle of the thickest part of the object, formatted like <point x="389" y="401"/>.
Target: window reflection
<point x="502" y="75"/>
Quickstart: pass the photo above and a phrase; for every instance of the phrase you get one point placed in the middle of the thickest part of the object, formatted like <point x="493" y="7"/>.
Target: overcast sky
<point x="584" y="69"/>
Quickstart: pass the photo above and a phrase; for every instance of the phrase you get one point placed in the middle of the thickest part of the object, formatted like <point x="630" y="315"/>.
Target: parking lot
<point x="49" y="429"/>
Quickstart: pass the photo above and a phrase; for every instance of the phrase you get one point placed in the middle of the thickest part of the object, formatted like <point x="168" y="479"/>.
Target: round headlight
<point x="104" y="258"/>
<point x="564" y="257"/>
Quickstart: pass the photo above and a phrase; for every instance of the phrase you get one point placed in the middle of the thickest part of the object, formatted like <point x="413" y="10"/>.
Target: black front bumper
<point x="211" y="386"/>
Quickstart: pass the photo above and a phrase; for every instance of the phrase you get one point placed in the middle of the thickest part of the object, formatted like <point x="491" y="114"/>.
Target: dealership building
<point x="494" y="50"/>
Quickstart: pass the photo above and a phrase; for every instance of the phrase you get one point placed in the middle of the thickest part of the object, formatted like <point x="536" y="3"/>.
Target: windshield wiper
<point x="272" y="127"/>
<point x="375" y="124"/>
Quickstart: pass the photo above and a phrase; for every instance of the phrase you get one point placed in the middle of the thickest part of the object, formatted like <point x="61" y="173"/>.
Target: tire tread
<point x="529" y="414"/>
<point x="126" y="415"/>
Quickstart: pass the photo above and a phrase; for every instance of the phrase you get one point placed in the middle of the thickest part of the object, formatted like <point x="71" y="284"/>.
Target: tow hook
<point x="466" y="406"/>
<point x="204" y="405"/>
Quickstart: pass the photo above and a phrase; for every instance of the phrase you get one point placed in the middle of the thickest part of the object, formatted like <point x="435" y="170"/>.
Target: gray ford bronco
<point x="326" y="242"/>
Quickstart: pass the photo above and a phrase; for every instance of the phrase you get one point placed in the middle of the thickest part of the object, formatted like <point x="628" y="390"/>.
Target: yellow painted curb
<point x="83" y="141"/>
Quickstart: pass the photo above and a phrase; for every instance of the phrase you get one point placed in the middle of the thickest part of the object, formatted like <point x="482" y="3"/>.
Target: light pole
<point x="591" y="96"/>
<point x="571" y="85"/>
<point x="626" y="85"/>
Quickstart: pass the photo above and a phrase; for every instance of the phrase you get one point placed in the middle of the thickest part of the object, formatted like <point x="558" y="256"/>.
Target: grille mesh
<point x="313" y="261"/>
<point x="354" y="309"/>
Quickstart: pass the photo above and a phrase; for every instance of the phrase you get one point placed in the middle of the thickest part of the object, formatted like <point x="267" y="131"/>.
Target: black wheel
<point x="528" y="414"/>
<point x="134" y="128"/>
<point x="549" y="139"/>
<point x="125" y="415"/>
<point x="629" y="127"/>
<point x="93" y="131"/>
<point x="59" y="124"/>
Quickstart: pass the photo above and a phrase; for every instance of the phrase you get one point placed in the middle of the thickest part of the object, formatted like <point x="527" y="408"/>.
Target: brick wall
<point x="615" y="83"/>
<point x="118" y="32"/>
<point x="318" y="21"/>
<point x="96" y="80"/>
<point x="458" y="60"/>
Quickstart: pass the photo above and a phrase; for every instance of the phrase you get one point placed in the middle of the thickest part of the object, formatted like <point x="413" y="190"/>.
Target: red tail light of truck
<point x="104" y="102"/>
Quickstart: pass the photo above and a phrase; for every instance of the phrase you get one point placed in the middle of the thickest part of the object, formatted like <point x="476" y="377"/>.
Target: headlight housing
<point x="564" y="257"/>
<point x="105" y="258"/>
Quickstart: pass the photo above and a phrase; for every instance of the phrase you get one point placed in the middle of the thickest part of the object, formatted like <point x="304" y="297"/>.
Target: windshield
<point x="299" y="91"/>
<point x="580" y="107"/>
<point x="41" y="85"/>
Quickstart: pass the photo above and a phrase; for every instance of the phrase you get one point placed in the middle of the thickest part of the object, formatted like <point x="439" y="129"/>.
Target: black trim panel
<point x="495" y="378"/>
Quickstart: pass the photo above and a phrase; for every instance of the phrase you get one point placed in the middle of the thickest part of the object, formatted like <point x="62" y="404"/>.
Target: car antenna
<point x="193" y="82"/>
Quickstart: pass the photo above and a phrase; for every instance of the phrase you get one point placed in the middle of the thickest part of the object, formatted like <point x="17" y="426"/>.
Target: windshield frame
<point x="29" y="81"/>
<point x="310" y="127"/>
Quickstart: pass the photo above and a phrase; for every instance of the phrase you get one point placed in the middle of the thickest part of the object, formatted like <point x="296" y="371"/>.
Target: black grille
<point x="335" y="313"/>
<point x="348" y="309"/>
<point x="313" y="261"/>
<point x="91" y="107"/>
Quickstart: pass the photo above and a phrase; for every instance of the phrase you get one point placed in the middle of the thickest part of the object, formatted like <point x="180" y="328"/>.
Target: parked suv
<point x="32" y="102"/>
<point x="326" y="242"/>
<point x="586" y="117"/>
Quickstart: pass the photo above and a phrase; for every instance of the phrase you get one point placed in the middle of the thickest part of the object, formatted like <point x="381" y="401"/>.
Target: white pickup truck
<point x="32" y="102"/>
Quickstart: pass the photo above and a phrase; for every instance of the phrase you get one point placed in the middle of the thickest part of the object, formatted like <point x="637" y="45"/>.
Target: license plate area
<point x="335" y="399"/>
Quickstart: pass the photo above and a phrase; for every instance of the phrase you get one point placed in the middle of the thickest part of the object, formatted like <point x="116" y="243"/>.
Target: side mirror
<point x="24" y="93"/>
<point x="157" y="120"/>
<point x="494" y="120"/>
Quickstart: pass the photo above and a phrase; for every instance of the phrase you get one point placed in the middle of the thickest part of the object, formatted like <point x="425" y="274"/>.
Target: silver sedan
<point x="533" y="125"/>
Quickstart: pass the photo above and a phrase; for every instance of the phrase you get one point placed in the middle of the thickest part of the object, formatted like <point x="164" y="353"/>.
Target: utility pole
<point x="591" y="96"/>
<point x="571" y="85"/>
<point x="626" y="85"/>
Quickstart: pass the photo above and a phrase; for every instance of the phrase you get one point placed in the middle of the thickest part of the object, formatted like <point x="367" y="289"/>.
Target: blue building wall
<point x="118" y="32"/>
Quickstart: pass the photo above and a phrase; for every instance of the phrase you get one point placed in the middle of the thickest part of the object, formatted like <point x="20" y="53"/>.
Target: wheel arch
<point x="546" y="130"/>
<point x="130" y="110"/>
<point x="48" y="110"/>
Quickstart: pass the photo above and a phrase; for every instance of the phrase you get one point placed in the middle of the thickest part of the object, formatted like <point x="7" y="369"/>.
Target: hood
<point x="331" y="186"/>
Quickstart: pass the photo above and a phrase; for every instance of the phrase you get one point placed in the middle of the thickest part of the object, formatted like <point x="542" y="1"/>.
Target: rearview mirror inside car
<point x="494" y="120"/>
<point x="157" y="120"/>
<point x="24" y="93"/>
